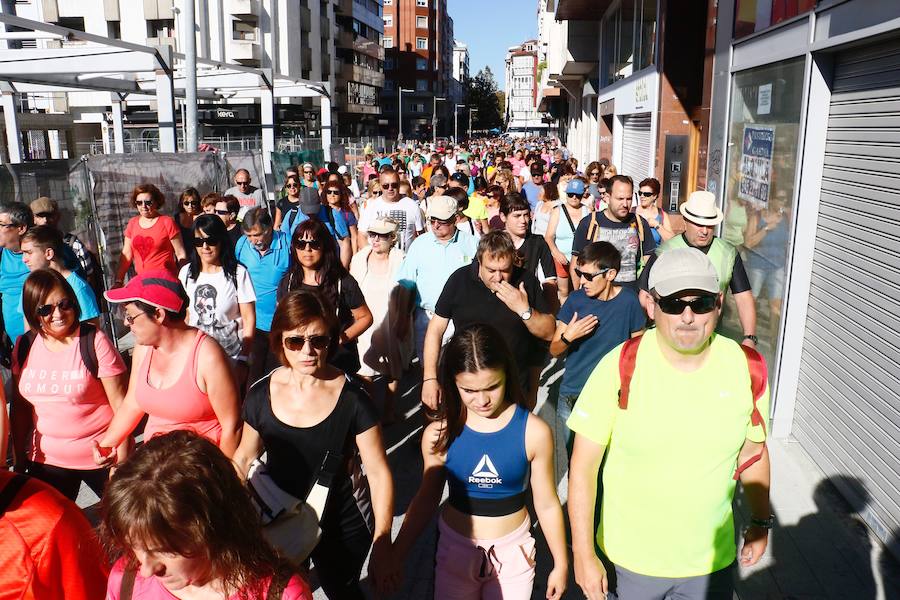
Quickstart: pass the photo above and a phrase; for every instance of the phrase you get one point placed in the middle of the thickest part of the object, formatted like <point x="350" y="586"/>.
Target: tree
<point x="481" y="93"/>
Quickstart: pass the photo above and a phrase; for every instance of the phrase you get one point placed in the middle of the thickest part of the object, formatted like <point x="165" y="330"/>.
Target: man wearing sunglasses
<point x="247" y="194"/>
<point x="692" y="422"/>
<point x="701" y="217"/>
<point x="405" y="211"/>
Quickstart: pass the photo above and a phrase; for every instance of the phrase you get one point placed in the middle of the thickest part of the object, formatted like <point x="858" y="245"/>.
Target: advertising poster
<point x="756" y="164"/>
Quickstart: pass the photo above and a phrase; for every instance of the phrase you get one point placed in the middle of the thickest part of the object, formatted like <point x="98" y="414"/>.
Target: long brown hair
<point x="470" y="350"/>
<point x="178" y="493"/>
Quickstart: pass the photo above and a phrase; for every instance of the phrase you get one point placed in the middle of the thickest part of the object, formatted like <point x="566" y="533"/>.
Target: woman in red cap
<point x="180" y="377"/>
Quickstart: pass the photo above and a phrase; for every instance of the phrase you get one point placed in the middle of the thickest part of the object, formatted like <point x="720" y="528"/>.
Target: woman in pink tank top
<point x="180" y="377"/>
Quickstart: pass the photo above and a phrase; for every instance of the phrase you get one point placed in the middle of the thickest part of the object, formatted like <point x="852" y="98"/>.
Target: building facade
<point x="418" y="59"/>
<point x="460" y="72"/>
<point x="335" y="42"/>
<point x="521" y="87"/>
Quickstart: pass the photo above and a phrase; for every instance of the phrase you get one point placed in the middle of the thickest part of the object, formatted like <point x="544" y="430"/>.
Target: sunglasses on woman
<point x="333" y="192"/>
<point x="144" y="202"/>
<point x="700" y="305"/>
<point x="318" y="343"/>
<point x="193" y="203"/>
<point x="292" y="186"/>
<point x="646" y="194"/>
<point x="307" y="245"/>
<point x="381" y="236"/>
<point x="45" y="310"/>
<point x="209" y="241"/>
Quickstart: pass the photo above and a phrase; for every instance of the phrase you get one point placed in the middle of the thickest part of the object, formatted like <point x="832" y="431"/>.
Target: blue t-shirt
<point x="13" y="273"/>
<point x="87" y="300"/>
<point x="531" y="192"/>
<point x="265" y="271"/>
<point x="618" y="319"/>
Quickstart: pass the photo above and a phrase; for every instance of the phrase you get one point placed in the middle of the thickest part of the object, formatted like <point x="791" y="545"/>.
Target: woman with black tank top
<point x="492" y="452"/>
<point x="300" y="412"/>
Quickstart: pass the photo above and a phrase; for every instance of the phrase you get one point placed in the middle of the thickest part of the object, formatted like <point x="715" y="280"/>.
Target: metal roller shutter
<point x="848" y="400"/>
<point x="636" y="147"/>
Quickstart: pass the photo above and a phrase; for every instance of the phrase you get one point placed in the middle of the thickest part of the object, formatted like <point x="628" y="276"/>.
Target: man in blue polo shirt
<point x="431" y="258"/>
<point x="15" y="220"/>
<point x="266" y="253"/>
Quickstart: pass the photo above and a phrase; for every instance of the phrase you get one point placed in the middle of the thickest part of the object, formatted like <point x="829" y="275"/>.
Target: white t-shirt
<point x="215" y="305"/>
<point x="405" y="211"/>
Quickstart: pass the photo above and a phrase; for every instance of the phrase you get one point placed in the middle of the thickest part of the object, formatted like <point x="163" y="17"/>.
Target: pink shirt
<point x="152" y="247"/>
<point x="71" y="409"/>
<point x="151" y="589"/>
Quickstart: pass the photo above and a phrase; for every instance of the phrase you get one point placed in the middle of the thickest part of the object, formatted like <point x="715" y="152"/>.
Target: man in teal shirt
<point x="15" y="220"/>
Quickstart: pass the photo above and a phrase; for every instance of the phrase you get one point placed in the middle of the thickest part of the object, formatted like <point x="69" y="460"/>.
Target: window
<point x="244" y="30"/>
<point x="421" y="64"/>
<point x="114" y="30"/>
<point x="421" y="43"/>
<point x="388" y="20"/>
<point x="389" y="85"/>
<point x="389" y="64"/>
<point x="160" y="28"/>
<point x="751" y="16"/>
<point x="76" y="23"/>
<point x="421" y="22"/>
<point x="420" y="3"/>
<point x="417" y="107"/>
<point x="629" y="39"/>
<point x="388" y="42"/>
<point x="360" y="93"/>
<point x="421" y="85"/>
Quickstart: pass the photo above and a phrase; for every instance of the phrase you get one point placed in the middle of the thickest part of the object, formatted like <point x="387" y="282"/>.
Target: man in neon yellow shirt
<point x="666" y="522"/>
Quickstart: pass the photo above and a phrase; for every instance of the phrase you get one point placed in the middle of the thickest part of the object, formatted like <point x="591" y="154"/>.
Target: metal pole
<point x="190" y="76"/>
<point x="456" y="124"/>
<point x="400" y="114"/>
<point x="469" y="134"/>
<point x="434" y="122"/>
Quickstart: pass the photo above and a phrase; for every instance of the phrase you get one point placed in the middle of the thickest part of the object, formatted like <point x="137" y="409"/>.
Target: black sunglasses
<point x="590" y="276"/>
<point x="390" y="186"/>
<point x="436" y="221"/>
<point x="574" y="195"/>
<point x="144" y="202"/>
<point x="646" y="194"/>
<point x="191" y="203"/>
<point x="223" y="212"/>
<point x="700" y="305"/>
<point x="209" y="241"/>
<point x="242" y="183"/>
<point x="45" y="310"/>
<point x="307" y="245"/>
<point x="45" y="215"/>
<point x="333" y="192"/>
<point x="318" y="343"/>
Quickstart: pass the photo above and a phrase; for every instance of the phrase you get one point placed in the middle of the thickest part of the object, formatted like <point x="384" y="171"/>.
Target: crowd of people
<point x="237" y="448"/>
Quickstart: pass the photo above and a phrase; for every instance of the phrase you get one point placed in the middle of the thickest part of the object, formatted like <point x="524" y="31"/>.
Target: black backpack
<point x="86" y="335"/>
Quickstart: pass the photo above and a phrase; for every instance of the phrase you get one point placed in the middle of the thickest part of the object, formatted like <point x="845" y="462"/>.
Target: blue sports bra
<point x="488" y="473"/>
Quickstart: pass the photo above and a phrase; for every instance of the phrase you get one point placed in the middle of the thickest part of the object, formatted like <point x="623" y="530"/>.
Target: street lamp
<point x="400" y="112"/>
<point x="434" y="120"/>
<point x="471" y="110"/>
<point x="456" y="122"/>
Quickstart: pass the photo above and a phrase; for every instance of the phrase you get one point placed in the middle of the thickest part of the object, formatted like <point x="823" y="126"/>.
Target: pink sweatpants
<point x="498" y="569"/>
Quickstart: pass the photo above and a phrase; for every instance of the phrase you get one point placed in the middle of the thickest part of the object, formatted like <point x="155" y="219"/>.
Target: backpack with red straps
<point x="758" y="383"/>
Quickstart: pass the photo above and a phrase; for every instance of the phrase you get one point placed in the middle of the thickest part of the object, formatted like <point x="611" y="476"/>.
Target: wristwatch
<point x="752" y="338"/>
<point x="526" y="315"/>
<point x="763" y="523"/>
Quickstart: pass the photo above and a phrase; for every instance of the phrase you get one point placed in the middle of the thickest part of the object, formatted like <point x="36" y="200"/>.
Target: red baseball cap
<point x="156" y="288"/>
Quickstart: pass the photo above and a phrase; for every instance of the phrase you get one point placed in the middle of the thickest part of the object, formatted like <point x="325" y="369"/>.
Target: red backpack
<point x="758" y="382"/>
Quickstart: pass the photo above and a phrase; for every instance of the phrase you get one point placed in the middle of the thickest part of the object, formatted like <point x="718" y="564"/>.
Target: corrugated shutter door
<point x="636" y="147"/>
<point x="848" y="400"/>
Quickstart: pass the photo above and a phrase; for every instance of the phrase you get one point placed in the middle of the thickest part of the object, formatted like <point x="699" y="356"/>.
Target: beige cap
<point x="682" y="269"/>
<point x="442" y="207"/>
<point x="383" y="225"/>
<point x="44" y="205"/>
<point x="701" y="209"/>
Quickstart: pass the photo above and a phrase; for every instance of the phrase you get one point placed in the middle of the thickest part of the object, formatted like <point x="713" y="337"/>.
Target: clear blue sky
<point x="489" y="27"/>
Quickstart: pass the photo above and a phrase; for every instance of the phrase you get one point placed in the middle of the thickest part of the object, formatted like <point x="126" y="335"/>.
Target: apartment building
<point x="333" y="41"/>
<point x="418" y="46"/>
<point x="521" y="81"/>
<point x="460" y="71"/>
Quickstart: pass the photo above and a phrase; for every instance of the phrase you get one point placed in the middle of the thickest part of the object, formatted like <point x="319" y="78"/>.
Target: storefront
<point x="810" y="185"/>
<point x="633" y="103"/>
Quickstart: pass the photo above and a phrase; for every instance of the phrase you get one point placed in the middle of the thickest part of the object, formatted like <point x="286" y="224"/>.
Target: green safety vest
<point x="721" y="254"/>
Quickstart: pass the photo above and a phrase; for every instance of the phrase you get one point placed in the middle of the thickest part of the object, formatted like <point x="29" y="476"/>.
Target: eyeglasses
<point x="193" y="203"/>
<point x="45" y="310"/>
<point x="591" y="276"/>
<point x="333" y="192"/>
<point x="391" y="186"/>
<point x="144" y="202"/>
<point x="307" y="245"/>
<point x="436" y="221"/>
<point x="130" y="319"/>
<point x="223" y="212"/>
<point x="699" y="306"/>
<point x="318" y="343"/>
<point x="242" y="183"/>
<point x="646" y="194"/>
<point x="45" y="215"/>
<point x="381" y="236"/>
<point x="209" y="241"/>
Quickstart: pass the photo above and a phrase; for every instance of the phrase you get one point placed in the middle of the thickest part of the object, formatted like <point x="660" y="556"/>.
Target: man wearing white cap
<point x="431" y="259"/>
<point x="701" y="216"/>
<point x="680" y="414"/>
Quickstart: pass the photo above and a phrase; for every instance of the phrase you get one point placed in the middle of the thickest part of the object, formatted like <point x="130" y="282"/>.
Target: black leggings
<point x="338" y="558"/>
<point x="68" y="481"/>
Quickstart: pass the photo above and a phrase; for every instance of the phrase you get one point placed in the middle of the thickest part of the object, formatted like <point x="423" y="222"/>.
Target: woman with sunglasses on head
<point x="560" y="233"/>
<point x="316" y="267"/>
<point x="152" y="240"/>
<point x="290" y="201"/>
<point x="648" y="207"/>
<point x="492" y="452"/>
<point x="222" y="300"/>
<point x="189" y="208"/>
<point x="62" y="406"/>
<point x="300" y="412"/>
<point x="336" y="196"/>
<point x="177" y="523"/>
<point x="180" y="378"/>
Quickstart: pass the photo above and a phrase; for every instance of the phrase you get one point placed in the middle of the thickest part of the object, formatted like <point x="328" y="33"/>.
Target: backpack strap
<point x="758" y="384"/>
<point x="126" y="591"/>
<point x="565" y="211"/>
<point x="627" y="360"/>
<point x="278" y="584"/>
<point x="86" y="336"/>
<point x="593" y="227"/>
<point x="25" y="342"/>
<point x="10" y="491"/>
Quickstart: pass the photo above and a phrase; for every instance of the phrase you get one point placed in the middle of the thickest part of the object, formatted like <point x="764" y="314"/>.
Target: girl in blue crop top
<point x="492" y="452"/>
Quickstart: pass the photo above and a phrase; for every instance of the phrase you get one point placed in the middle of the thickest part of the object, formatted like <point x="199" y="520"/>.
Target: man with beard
<point x="266" y="253"/>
